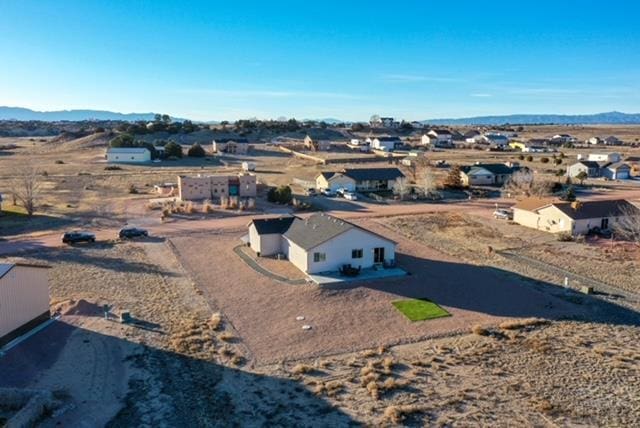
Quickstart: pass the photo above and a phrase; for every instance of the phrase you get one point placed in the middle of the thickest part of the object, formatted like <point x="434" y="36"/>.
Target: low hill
<point x="609" y="118"/>
<point x="19" y="113"/>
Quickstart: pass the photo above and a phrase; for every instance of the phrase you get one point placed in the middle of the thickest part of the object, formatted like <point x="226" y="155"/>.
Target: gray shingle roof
<point x="494" y="168"/>
<point x="589" y="164"/>
<point x="316" y="229"/>
<point x="362" y="174"/>
<point x="596" y="209"/>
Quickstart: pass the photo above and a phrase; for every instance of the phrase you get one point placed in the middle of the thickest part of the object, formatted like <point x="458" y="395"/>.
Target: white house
<point x="128" y="155"/>
<point x="24" y="299"/>
<point x="604" y="157"/>
<point x="594" y="140"/>
<point x="442" y="138"/>
<point x="320" y="243"/>
<point x="487" y="174"/>
<point x="616" y="171"/>
<point x="385" y="143"/>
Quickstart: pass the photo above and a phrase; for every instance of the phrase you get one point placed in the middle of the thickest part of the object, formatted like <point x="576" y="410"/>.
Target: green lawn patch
<point x="420" y="309"/>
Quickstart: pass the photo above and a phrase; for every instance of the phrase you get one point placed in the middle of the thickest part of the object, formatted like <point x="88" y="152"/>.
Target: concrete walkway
<point x="365" y="275"/>
<point x="256" y="266"/>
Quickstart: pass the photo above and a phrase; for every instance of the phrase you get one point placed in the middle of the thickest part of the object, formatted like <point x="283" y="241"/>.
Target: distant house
<point x="201" y="187"/>
<point x="374" y="179"/>
<point x="604" y="157"/>
<point x="528" y="147"/>
<point x="385" y="143"/>
<point x="470" y="136"/>
<point x="612" y="141"/>
<point x="128" y="155"/>
<point x="634" y="163"/>
<point x="594" y="140"/>
<point x="440" y="138"/>
<point x="320" y="243"/>
<point x="616" y="171"/>
<point x="563" y="139"/>
<point x="417" y="125"/>
<point x="496" y="140"/>
<point x="488" y="174"/>
<point x="238" y="146"/>
<point x="575" y="218"/>
<point x="591" y="168"/>
<point x="24" y="299"/>
<point x="333" y="181"/>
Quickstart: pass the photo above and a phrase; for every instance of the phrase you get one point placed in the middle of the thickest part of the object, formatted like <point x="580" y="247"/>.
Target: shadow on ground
<point x="495" y="292"/>
<point x="166" y="388"/>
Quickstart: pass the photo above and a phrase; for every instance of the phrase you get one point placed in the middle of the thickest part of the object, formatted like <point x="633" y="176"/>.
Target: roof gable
<point x="277" y="225"/>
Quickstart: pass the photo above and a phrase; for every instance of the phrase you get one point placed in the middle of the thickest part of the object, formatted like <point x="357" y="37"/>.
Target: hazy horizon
<point x="415" y="61"/>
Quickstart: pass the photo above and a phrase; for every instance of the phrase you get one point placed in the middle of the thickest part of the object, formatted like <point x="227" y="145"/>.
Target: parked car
<point x="132" y="232"/>
<point x="311" y="192"/>
<point x="340" y="191"/>
<point x="503" y="214"/>
<point x="77" y="236"/>
<point x="350" y="196"/>
<point x="327" y="192"/>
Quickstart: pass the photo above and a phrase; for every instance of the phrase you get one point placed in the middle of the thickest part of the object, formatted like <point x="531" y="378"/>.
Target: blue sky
<point x="211" y="60"/>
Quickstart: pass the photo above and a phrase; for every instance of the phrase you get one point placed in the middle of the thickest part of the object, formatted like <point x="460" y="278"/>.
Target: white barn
<point x="320" y="243"/>
<point x="128" y="155"/>
<point x="24" y="299"/>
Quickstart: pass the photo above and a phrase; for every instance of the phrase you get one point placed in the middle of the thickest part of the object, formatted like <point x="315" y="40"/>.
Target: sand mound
<point x="80" y="307"/>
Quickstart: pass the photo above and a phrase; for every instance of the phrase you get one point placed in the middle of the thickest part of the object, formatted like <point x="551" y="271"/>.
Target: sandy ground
<point x="264" y="311"/>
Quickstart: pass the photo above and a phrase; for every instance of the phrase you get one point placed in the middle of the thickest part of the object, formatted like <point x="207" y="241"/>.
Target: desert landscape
<point x="319" y="215"/>
<point x="233" y="328"/>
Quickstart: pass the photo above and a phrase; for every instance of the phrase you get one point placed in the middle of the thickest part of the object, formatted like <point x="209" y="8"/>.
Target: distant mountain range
<point x="610" y="118"/>
<point x="19" y="113"/>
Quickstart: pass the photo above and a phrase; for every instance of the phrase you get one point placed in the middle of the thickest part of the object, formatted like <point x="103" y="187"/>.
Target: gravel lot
<point x="355" y="316"/>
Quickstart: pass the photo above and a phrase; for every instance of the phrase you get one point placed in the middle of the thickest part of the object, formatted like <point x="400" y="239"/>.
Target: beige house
<point x="24" y="299"/>
<point x="320" y="243"/>
<point x="200" y="187"/>
<point x="237" y="146"/>
<point x="575" y="218"/>
<point x="333" y="181"/>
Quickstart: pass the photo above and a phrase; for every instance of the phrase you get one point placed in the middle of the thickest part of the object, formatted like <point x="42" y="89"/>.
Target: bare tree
<point x="627" y="226"/>
<point x="427" y="183"/>
<point x="25" y="187"/>
<point x="401" y="187"/>
<point x="524" y="182"/>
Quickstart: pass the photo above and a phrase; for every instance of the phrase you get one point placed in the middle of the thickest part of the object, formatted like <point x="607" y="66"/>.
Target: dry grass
<point x="479" y="330"/>
<point x="299" y="369"/>
<point x="396" y="414"/>
<point x="522" y="323"/>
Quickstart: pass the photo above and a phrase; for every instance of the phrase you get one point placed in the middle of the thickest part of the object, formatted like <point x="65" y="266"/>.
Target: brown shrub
<point x="479" y="330"/>
<point x="215" y="322"/>
<point x="374" y="390"/>
<point x="226" y="336"/>
<point x="397" y="413"/>
<point x="518" y="324"/>
<point x="301" y="369"/>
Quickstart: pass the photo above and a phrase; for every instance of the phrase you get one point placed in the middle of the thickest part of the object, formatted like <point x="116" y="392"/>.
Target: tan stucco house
<point x="201" y="187"/>
<point x="575" y="218"/>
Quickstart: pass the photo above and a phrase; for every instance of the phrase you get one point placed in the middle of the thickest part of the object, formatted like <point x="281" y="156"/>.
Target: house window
<point x="356" y="254"/>
<point x="319" y="257"/>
